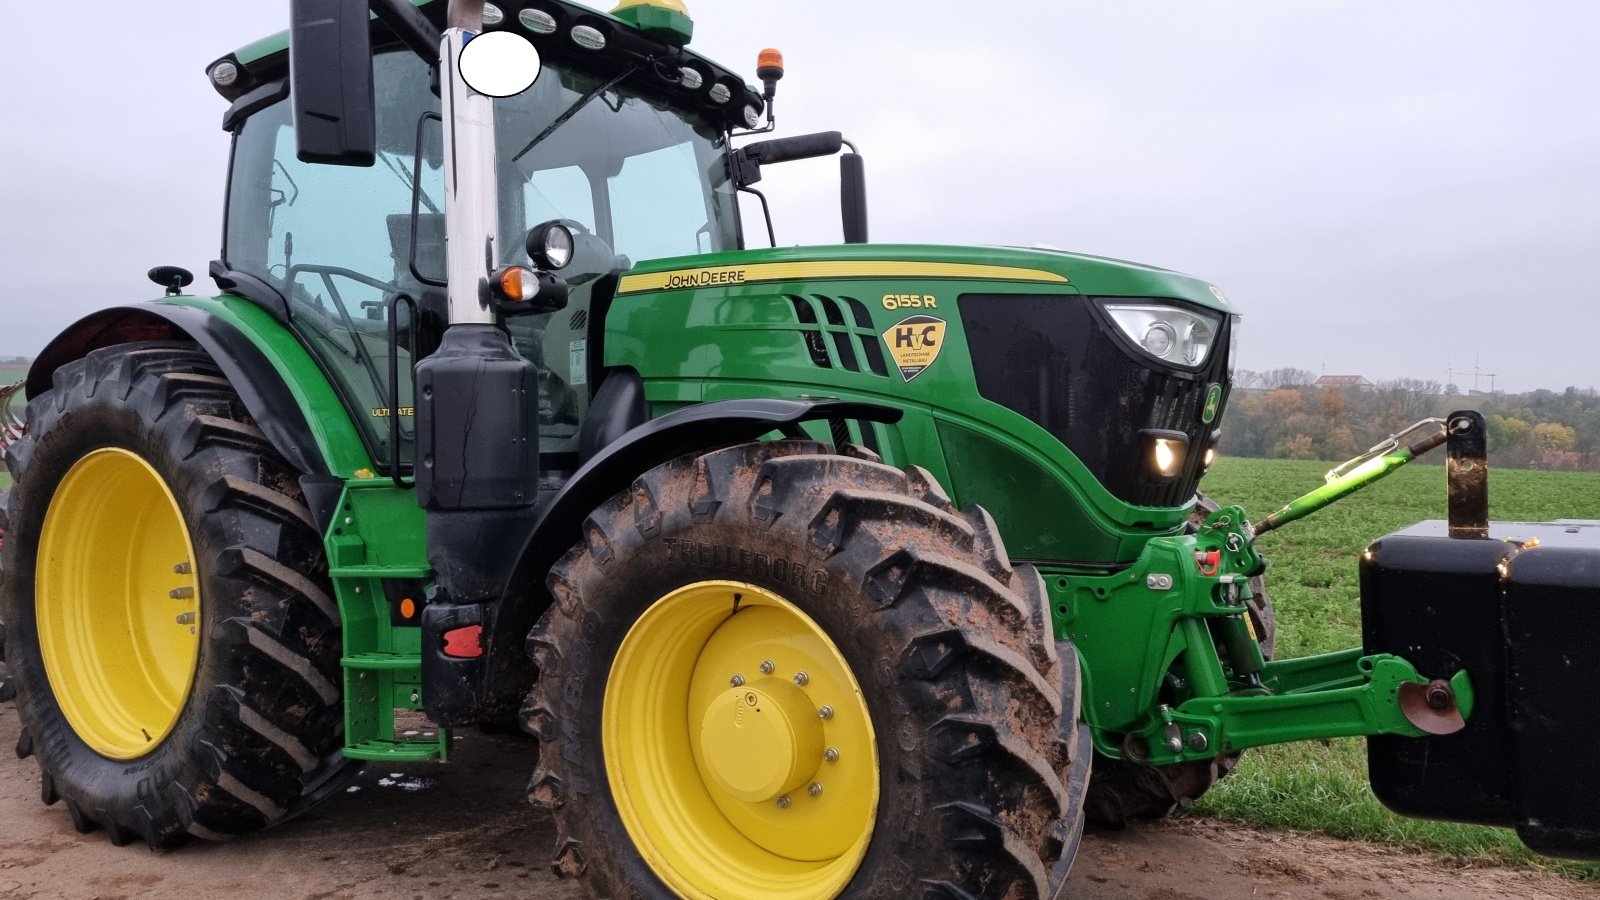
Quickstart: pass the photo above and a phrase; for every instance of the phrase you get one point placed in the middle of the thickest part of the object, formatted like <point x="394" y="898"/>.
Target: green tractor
<point x="815" y="571"/>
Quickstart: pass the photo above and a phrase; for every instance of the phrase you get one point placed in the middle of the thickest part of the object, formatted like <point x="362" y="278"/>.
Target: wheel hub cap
<point x="761" y="741"/>
<point x="738" y="746"/>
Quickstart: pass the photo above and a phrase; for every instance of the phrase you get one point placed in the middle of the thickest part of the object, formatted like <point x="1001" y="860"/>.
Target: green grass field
<point x="1322" y="786"/>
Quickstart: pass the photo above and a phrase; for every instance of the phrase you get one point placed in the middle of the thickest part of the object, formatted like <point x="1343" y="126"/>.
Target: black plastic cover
<point x="330" y="66"/>
<point x="1519" y="610"/>
<point x="618" y="407"/>
<point x="452" y="688"/>
<point x="477" y="423"/>
<point x="1059" y="360"/>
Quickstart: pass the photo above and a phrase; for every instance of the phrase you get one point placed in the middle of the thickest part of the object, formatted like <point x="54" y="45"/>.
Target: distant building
<point x="1344" y="382"/>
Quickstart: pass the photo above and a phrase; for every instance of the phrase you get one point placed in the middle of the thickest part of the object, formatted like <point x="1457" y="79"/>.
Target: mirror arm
<point x="411" y="26"/>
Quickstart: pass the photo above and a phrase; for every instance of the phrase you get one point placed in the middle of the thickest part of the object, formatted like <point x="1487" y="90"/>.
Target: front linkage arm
<point x="1173" y="670"/>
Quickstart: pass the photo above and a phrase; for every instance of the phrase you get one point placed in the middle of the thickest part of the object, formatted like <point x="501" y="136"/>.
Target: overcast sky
<point x="1382" y="188"/>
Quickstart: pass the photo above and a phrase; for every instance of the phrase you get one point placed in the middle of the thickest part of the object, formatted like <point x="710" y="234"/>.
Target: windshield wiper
<point x="574" y="109"/>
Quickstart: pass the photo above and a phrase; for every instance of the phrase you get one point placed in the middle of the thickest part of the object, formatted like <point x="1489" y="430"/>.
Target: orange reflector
<point x="465" y="642"/>
<point x="408" y="608"/>
<point x="511" y="283"/>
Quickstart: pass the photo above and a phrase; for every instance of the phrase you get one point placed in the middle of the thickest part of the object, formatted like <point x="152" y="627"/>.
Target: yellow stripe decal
<point x="682" y="279"/>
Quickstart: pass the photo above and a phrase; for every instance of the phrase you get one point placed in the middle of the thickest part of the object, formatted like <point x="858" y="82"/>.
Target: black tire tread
<point x="265" y="741"/>
<point x="920" y="561"/>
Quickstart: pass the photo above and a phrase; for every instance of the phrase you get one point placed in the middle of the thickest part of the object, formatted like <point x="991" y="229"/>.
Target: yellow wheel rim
<point x="738" y="746"/>
<point x="117" y="603"/>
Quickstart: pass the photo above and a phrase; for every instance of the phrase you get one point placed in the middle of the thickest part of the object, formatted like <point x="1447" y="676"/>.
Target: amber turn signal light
<point x="516" y="284"/>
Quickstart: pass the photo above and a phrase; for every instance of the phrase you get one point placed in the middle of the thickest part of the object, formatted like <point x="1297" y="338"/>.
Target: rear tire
<point x="975" y="755"/>
<point x="1123" y="791"/>
<point x="256" y="736"/>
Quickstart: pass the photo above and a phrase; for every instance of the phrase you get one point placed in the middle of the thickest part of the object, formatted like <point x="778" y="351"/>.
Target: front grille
<point x="833" y="340"/>
<point x="1060" y="362"/>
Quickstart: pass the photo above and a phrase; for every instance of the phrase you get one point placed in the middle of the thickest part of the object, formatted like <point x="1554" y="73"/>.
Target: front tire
<point x="170" y="627"/>
<point x="683" y="751"/>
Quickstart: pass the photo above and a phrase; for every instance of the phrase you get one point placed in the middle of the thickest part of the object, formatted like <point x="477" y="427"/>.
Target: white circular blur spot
<point x="500" y="64"/>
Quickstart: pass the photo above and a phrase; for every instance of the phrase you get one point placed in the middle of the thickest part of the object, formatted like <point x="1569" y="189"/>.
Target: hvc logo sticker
<point x="914" y="343"/>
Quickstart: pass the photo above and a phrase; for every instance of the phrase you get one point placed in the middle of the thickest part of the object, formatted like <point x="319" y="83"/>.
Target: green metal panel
<point x="1043" y="519"/>
<point x="724" y="325"/>
<point x="1088" y="275"/>
<point x="336" y="436"/>
<point x="378" y="534"/>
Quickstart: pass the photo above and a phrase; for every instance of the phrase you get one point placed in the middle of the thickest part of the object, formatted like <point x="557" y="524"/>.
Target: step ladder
<point x="377" y="559"/>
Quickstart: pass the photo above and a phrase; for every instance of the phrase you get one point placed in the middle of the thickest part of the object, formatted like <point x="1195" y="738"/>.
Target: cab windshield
<point x="633" y="177"/>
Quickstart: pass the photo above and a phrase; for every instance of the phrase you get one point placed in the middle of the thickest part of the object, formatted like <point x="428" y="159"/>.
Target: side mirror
<point x="330" y="72"/>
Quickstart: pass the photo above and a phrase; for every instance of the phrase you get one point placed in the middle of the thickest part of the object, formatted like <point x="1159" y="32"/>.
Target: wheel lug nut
<point x="182" y="568"/>
<point x="737" y="681"/>
<point x="183" y="593"/>
<point x="831" y="754"/>
<point x="801" y="678"/>
<point x="767" y="667"/>
<point x="815" y="789"/>
<point x="186" y="618"/>
<point x="784" y="801"/>
<point x="825" y="712"/>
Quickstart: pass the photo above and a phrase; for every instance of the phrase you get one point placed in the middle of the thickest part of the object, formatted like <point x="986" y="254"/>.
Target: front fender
<point x="701" y="427"/>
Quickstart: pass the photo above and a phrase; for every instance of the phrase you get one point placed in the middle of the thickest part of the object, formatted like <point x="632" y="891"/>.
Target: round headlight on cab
<point x="752" y="117"/>
<point x="551" y="246"/>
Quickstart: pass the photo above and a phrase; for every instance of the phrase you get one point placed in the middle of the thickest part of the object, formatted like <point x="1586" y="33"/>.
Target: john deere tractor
<point x="815" y="571"/>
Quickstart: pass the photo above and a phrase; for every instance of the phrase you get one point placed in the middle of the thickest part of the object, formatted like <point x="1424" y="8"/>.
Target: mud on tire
<point x="981" y="763"/>
<point x="1122" y="791"/>
<point x="258" y="738"/>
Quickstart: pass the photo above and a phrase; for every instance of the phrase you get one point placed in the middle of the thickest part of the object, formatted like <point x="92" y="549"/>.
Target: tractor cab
<point x="629" y="153"/>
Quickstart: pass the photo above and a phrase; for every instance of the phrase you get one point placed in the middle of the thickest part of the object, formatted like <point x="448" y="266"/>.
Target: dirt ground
<point x="464" y="830"/>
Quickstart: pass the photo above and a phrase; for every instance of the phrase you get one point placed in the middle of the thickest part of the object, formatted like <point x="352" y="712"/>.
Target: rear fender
<point x="275" y="389"/>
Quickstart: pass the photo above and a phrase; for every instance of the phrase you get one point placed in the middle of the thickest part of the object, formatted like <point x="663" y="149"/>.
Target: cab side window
<point x="336" y="241"/>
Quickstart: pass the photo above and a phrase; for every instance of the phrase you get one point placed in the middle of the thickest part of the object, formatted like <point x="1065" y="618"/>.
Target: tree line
<point x="1282" y="413"/>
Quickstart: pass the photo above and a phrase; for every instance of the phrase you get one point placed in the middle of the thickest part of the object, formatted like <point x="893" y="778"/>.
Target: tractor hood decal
<point x="914" y="343"/>
<point x="685" y="279"/>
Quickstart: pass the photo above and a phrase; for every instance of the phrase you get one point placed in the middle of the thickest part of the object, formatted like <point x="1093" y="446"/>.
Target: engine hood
<point x="1072" y="272"/>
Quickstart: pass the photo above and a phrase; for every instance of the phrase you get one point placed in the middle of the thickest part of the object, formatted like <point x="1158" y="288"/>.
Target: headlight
<point x="551" y="245"/>
<point x="1168" y="333"/>
<point x="1165" y="452"/>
